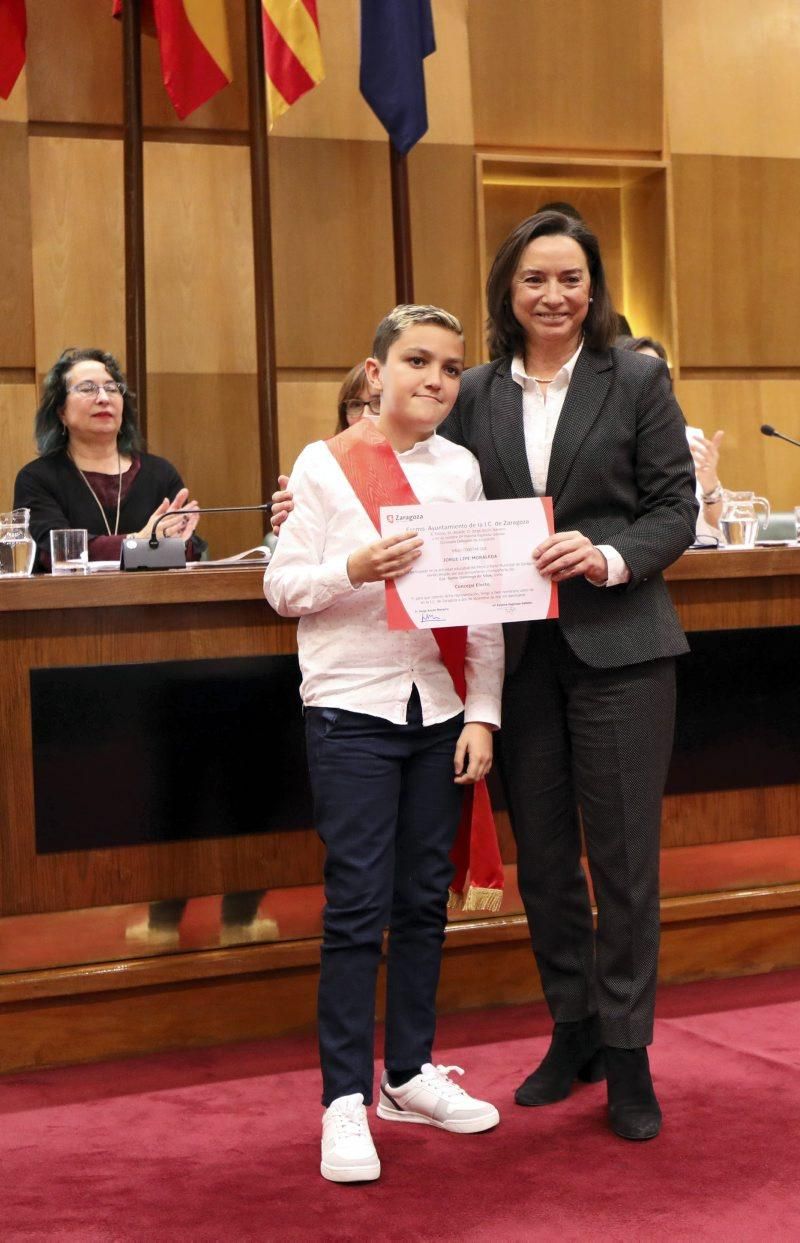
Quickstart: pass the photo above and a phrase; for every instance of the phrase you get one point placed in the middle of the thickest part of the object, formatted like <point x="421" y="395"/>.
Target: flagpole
<point x="135" y="326"/>
<point x="262" y="252"/>
<point x="401" y="226"/>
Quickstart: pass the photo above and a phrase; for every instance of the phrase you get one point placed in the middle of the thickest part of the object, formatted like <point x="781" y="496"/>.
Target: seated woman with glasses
<point x="355" y="396"/>
<point x="91" y="471"/>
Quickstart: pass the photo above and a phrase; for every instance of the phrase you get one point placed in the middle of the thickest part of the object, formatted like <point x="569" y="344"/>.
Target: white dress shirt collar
<point x="560" y="380"/>
<point x="430" y="444"/>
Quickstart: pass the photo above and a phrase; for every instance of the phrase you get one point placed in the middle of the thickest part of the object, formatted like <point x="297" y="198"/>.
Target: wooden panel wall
<point x="584" y="76"/>
<point x="219" y="437"/>
<point x="17" y="392"/>
<point x="645" y="263"/>
<point x="78" y="245"/>
<point x="17" y="408"/>
<point x="199" y="249"/>
<point x="737" y="262"/>
<point x="16" y="286"/>
<point x="732" y="104"/>
<point x="333" y="268"/>
<point x="731" y="77"/>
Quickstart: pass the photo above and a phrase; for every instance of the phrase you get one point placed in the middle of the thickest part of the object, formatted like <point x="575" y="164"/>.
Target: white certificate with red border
<point x="476" y="564"/>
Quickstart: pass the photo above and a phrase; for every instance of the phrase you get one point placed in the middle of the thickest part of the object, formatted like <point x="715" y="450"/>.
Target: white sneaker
<point x="348" y="1153"/>
<point x="432" y="1097"/>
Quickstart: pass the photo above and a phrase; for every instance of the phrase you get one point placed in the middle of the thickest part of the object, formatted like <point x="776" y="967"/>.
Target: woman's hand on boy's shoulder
<point x="386" y="558"/>
<point x="282" y="504"/>
<point x="473" y="754"/>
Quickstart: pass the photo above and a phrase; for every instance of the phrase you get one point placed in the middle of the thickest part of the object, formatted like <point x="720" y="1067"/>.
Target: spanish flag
<point x="193" y="42"/>
<point x="292" y="52"/>
<point x="13" y="31"/>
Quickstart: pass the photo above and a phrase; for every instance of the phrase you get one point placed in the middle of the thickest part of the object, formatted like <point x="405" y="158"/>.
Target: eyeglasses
<point x="88" y="388"/>
<point x="356" y="406"/>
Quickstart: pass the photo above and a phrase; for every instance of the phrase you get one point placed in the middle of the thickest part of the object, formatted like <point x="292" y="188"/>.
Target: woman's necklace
<point x="94" y="494"/>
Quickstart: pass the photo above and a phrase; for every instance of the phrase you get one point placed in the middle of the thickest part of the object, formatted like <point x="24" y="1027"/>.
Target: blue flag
<point x="395" y="39"/>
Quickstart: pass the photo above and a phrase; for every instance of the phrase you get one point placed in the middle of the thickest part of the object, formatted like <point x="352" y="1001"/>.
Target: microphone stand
<point x="169" y="553"/>
<point x="153" y="542"/>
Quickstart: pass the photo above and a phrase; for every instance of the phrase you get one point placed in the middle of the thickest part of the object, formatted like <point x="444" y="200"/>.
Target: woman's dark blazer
<point x="620" y="473"/>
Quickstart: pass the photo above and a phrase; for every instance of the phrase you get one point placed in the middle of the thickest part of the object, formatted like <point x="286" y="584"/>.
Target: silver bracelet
<point x="713" y="497"/>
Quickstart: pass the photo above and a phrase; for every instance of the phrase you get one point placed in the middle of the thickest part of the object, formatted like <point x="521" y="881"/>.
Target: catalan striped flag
<point x="292" y="52"/>
<point x="13" y="32"/>
<point x="193" y="42"/>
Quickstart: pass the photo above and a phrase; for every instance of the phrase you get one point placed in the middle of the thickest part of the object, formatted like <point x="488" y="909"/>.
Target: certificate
<point x="476" y="564"/>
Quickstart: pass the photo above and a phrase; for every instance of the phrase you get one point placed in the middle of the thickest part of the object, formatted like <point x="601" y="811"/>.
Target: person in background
<point x="705" y="452"/>
<point x="92" y="471"/>
<point x="356" y="398"/>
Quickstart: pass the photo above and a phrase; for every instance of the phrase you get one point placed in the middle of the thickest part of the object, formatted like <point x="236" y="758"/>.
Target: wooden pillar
<point x="262" y="252"/>
<point x="401" y="227"/>
<point x="135" y="326"/>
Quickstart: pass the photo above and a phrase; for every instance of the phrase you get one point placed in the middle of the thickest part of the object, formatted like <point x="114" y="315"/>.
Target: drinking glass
<point x="69" y="551"/>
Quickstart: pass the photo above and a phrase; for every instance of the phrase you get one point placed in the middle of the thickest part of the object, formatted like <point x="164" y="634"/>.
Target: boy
<point x="391" y="742"/>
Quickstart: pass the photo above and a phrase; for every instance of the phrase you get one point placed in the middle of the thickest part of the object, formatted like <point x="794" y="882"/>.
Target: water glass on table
<point x="69" y="551"/>
<point x="797" y="523"/>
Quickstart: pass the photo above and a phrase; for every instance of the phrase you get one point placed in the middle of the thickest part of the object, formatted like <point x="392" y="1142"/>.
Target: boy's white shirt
<point x="348" y="656"/>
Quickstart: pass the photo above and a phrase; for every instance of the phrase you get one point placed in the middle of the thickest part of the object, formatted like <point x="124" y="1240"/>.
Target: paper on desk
<point x="251" y="556"/>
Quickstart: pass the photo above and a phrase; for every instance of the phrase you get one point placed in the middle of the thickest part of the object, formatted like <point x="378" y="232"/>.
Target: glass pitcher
<point x="17" y="547"/>
<point x="741" y="514"/>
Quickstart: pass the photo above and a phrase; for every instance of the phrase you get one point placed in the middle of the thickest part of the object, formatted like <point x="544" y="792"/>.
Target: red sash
<point x="370" y="466"/>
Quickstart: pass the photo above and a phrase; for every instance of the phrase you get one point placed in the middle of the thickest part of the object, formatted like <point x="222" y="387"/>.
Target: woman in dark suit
<point x="588" y="707"/>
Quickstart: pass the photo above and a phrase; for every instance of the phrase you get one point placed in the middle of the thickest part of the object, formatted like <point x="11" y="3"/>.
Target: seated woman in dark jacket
<point x="92" y="471"/>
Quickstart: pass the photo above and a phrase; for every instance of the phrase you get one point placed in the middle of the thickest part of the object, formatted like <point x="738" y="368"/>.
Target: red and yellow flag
<point x="292" y="52"/>
<point x="193" y="42"/>
<point x="13" y="31"/>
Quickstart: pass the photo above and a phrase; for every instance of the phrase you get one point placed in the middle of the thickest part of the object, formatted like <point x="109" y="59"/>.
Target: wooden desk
<point x="107" y="619"/>
<point x="731" y="590"/>
<point x="734" y="590"/>
<point x="110" y="619"/>
<point x="106" y="1007"/>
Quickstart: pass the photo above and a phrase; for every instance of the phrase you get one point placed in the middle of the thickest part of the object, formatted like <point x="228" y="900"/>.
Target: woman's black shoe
<point x="576" y="1052"/>
<point x="633" y="1109"/>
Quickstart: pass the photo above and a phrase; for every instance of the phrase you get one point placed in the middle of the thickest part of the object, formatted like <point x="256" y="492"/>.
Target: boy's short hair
<point x="402" y="317"/>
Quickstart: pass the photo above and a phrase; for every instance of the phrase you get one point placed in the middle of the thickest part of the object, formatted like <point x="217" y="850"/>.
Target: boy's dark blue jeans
<point x="387" y="809"/>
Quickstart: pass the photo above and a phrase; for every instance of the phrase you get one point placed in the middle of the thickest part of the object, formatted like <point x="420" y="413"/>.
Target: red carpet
<point x="224" y="1144"/>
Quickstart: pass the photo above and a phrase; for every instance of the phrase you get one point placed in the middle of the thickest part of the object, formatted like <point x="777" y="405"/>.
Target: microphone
<point x="221" y="509"/>
<point x="168" y="553"/>
<point x="768" y="430"/>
